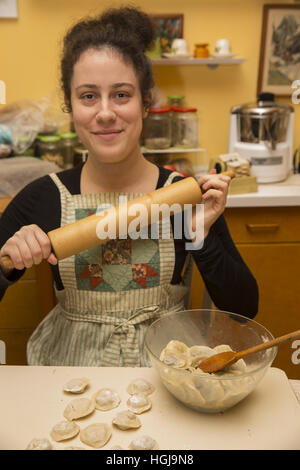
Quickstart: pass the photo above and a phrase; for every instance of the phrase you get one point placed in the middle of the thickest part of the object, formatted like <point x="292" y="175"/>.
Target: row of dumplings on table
<point x="98" y="434"/>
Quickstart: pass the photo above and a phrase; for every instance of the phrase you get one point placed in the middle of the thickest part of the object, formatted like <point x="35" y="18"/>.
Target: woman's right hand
<point x="29" y="246"/>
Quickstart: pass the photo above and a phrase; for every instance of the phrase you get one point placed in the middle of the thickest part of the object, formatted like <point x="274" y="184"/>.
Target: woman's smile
<point x="107" y="135"/>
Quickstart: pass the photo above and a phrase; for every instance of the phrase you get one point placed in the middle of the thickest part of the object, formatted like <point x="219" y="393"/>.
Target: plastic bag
<point x="5" y="135"/>
<point x="5" y="141"/>
<point x="17" y="172"/>
<point x="28" y="118"/>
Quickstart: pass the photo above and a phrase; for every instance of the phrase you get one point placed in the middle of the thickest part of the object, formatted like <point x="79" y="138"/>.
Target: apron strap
<point x="123" y="339"/>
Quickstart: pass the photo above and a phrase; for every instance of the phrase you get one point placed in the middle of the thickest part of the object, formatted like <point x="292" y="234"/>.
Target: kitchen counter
<point x="32" y="402"/>
<point x="285" y="193"/>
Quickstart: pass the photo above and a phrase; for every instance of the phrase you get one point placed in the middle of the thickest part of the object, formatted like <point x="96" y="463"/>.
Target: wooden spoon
<point x="227" y="358"/>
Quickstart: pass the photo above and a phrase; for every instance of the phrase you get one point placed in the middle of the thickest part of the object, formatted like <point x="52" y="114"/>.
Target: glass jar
<point x="157" y="130"/>
<point x="68" y="144"/>
<point x="186" y="127"/>
<point x="175" y="100"/>
<point x="80" y="155"/>
<point x="50" y="149"/>
<point x="201" y="51"/>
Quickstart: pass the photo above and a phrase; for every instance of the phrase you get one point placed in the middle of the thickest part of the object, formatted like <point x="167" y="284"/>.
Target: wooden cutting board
<point x="32" y="402"/>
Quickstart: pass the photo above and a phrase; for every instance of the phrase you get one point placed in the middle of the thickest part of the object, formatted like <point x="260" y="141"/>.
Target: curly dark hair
<point x="128" y="30"/>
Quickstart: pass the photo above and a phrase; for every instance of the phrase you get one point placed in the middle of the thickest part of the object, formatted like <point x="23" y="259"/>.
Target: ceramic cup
<point x="223" y="47"/>
<point x="179" y="46"/>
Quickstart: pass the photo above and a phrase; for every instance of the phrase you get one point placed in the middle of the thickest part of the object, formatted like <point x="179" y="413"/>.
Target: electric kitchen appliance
<point x="262" y="132"/>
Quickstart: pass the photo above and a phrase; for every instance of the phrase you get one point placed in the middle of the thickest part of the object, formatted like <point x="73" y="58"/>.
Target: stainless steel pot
<point x="262" y="121"/>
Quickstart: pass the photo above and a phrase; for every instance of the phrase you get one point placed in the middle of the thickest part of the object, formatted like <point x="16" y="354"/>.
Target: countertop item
<point x="32" y="402"/>
<point x="17" y="172"/>
<point x="286" y="193"/>
<point x="212" y="331"/>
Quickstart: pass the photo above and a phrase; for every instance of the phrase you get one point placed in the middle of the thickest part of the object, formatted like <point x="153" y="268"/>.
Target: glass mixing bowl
<point x="210" y="393"/>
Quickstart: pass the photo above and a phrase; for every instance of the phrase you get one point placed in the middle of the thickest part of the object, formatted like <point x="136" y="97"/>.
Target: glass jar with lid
<point x="68" y="143"/>
<point x="186" y="127"/>
<point x="80" y="154"/>
<point x="201" y="51"/>
<point x="176" y="100"/>
<point x="50" y="149"/>
<point x="157" y="130"/>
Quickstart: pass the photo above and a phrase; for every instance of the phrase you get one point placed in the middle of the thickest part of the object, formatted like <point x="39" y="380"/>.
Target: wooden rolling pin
<point x="81" y="235"/>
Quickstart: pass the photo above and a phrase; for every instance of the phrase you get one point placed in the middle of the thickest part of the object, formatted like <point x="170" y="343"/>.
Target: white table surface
<point x="295" y="384"/>
<point x="32" y="402"/>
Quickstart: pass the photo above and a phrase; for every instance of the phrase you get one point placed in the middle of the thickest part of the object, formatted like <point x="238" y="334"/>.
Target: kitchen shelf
<point x="211" y="62"/>
<point x="195" y="150"/>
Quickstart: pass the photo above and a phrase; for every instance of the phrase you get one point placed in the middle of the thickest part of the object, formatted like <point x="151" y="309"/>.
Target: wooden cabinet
<point x="269" y="242"/>
<point x="22" y="308"/>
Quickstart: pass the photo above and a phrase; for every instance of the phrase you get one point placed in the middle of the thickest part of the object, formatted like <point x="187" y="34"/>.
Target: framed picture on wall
<point x="168" y="27"/>
<point x="8" y="9"/>
<point x="279" y="64"/>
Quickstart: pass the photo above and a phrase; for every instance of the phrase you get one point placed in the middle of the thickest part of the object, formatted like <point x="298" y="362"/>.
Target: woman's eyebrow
<point x="119" y="85"/>
<point x="115" y="85"/>
<point x="87" y="85"/>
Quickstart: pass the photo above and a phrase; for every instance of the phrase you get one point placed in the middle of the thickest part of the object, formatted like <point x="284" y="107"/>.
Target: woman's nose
<point x="105" y="113"/>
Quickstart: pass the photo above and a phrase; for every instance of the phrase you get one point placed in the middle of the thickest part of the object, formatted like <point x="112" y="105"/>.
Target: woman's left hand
<point x="215" y="189"/>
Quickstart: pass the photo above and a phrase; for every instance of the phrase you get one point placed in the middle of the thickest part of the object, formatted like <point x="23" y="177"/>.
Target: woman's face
<point x="107" y="107"/>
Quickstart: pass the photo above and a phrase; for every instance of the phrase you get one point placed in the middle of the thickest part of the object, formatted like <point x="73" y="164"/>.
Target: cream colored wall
<point x="30" y="49"/>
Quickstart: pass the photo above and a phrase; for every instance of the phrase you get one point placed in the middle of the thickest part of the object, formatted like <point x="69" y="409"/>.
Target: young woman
<point x="110" y="294"/>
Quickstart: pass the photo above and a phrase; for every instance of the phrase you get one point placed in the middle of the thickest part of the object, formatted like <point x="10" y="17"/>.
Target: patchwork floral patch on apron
<point x="112" y="293"/>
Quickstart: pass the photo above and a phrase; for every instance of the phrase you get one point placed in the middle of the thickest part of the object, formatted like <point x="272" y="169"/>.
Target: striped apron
<point x="112" y="293"/>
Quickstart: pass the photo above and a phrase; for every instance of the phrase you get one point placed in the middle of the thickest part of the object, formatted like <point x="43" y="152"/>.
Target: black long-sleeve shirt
<point x="228" y="280"/>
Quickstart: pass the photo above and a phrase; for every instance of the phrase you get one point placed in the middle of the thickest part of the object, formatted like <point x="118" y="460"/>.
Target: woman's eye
<point x="122" y="95"/>
<point x="88" y="97"/>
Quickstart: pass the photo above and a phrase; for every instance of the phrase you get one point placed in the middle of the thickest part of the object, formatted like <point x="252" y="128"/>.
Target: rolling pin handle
<point x="6" y="262"/>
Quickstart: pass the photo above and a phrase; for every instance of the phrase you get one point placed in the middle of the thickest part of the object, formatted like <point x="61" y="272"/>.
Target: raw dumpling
<point x="191" y="394"/>
<point x="176" y="354"/>
<point x="201" y="351"/>
<point x="222" y="348"/>
<point x="76" y="385"/>
<point x="106" y="399"/>
<point x="39" y="444"/>
<point x="236" y="368"/>
<point x="143" y="443"/>
<point x="64" y="430"/>
<point x="140" y="386"/>
<point x="211" y="390"/>
<point x="202" y="390"/>
<point x="127" y="420"/>
<point x="96" y="435"/>
<point x="177" y="346"/>
<point x="78" y="408"/>
<point x="174" y="358"/>
<point x="138" y="403"/>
